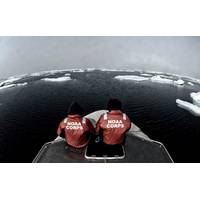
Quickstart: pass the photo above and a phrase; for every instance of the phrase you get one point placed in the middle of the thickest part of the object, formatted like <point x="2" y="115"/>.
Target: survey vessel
<point x="138" y="148"/>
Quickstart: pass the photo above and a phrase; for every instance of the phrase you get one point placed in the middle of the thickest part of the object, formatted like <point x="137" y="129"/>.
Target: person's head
<point x="75" y="109"/>
<point x="114" y="104"/>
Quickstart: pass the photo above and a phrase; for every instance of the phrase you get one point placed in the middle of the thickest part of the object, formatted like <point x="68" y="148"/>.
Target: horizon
<point x="156" y="73"/>
<point x="167" y="54"/>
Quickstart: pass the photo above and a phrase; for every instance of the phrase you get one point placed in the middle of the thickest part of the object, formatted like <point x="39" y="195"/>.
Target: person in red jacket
<point x="113" y="125"/>
<point x="77" y="129"/>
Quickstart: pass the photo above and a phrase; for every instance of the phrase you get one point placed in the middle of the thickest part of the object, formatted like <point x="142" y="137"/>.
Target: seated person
<point x="113" y="125"/>
<point x="77" y="129"/>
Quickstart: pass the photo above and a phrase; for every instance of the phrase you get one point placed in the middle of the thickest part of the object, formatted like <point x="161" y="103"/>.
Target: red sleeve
<point x="98" y="124"/>
<point x="90" y="126"/>
<point x="128" y="123"/>
<point x="60" y="127"/>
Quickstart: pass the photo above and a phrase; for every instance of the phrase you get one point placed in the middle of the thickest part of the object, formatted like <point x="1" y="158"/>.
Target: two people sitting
<point x="111" y="126"/>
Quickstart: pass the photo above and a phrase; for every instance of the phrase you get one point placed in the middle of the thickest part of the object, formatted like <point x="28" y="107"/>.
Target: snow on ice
<point x="194" y="107"/>
<point x="59" y="79"/>
<point x="159" y="79"/>
<point x="196" y="98"/>
<point x="131" y="77"/>
<point x="156" y="78"/>
<point x="13" y="85"/>
<point x="9" y="81"/>
<point x="179" y="82"/>
<point x="189" y="83"/>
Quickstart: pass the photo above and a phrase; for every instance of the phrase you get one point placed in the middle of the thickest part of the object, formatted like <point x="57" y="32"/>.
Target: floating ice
<point x="167" y="76"/>
<point x="59" y="79"/>
<point x="107" y="70"/>
<point x="179" y="82"/>
<point x="90" y="69"/>
<point x="9" y="81"/>
<point x="155" y="72"/>
<point x="156" y="78"/>
<point x="159" y="79"/>
<point x="116" y="70"/>
<point x="7" y="86"/>
<point x="13" y="85"/>
<point x="131" y="77"/>
<point x="52" y="72"/>
<point x="148" y="75"/>
<point x="196" y="98"/>
<point x="77" y="70"/>
<point x="194" y="80"/>
<point x="21" y="84"/>
<point x="195" y="110"/>
<point x="189" y="83"/>
<point x="192" y="108"/>
<point x="111" y="70"/>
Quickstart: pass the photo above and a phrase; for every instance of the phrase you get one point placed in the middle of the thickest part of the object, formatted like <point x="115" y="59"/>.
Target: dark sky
<point x="180" y="55"/>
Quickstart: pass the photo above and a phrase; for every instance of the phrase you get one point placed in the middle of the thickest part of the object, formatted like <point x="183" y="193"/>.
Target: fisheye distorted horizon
<point x="178" y="55"/>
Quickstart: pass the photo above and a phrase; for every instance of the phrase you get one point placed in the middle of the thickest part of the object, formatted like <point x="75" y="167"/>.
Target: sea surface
<point x="30" y="114"/>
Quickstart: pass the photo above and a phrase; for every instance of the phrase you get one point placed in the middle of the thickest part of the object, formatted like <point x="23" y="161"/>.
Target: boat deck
<point x="139" y="148"/>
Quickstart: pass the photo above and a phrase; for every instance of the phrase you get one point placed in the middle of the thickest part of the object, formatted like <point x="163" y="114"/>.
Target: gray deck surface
<point x="137" y="150"/>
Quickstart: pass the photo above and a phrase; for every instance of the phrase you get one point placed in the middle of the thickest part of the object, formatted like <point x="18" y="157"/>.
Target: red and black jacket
<point x="113" y="126"/>
<point x="77" y="129"/>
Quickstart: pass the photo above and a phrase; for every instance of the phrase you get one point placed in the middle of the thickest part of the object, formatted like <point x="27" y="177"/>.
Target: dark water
<point x="29" y="115"/>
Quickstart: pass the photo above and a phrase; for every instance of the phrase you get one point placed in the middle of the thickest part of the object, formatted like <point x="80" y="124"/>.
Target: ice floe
<point x="52" y="72"/>
<point x="21" y="84"/>
<point x="90" y="69"/>
<point x="193" y="109"/>
<point x="179" y="82"/>
<point x="159" y="79"/>
<point x="147" y="75"/>
<point x="7" y="86"/>
<point x="37" y="74"/>
<point x="168" y="76"/>
<point x="13" y="85"/>
<point x="76" y="70"/>
<point x="189" y="83"/>
<point x="59" y="79"/>
<point x="154" y="72"/>
<point x="191" y="79"/>
<point x="196" y="98"/>
<point x="115" y="70"/>
<point x="9" y="81"/>
<point x="156" y="78"/>
<point x="131" y="77"/>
